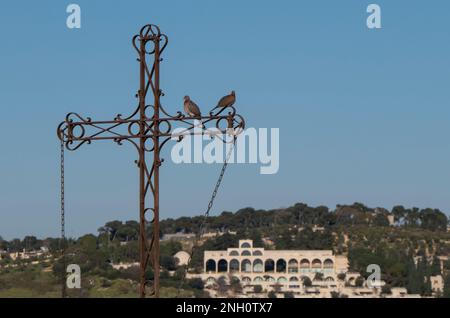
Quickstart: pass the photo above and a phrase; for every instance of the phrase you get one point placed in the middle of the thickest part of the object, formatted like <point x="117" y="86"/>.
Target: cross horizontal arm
<point x="76" y="130"/>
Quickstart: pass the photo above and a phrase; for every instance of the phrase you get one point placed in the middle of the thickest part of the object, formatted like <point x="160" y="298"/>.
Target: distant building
<point x="400" y="292"/>
<point x="43" y="251"/>
<point x="286" y="271"/>
<point x="437" y="284"/>
<point x="121" y="266"/>
<point x="182" y="258"/>
<point x="209" y="235"/>
<point x="177" y="236"/>
<point x="391" y="219"/>
<point x="315" y="228"/>
<point x="284" y="268"/>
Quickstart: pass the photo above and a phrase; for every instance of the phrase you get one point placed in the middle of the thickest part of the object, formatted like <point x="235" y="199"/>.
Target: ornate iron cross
<point x="148" y="133"/>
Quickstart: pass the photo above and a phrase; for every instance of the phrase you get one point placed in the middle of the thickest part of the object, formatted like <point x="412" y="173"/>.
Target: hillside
<point x="409" y="245"/>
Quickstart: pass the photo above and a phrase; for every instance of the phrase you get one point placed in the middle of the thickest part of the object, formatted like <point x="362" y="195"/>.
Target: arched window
<point x="316" y="264"/>
<point x="211" y="280"/>
<point x="328" y="264"/>
<point x="351" y="281"/>
<point x="268" y="278"/>
<point x="258" y="266"/>
<point x="269" y="266"/>
<point x="329" y="279"/>
<point x="210" y="265"/>
<point x="234" y="253"/>
<point x="222" y="266"/>
<point x="246" y="253"/>
<point x="293" y="266"/>
<point x="246" y="266"/>
<point x="245" y="245"/>
<point x="258" y="279"/>
<point x="282" y="280"/>
<point x="281" y="266"/>
<point x="246" y="280"/>
<point x="305" y="264"/>
<point x="257" y="253"/>
<point x="293" y="282"/>
<point x="234" y="266"/>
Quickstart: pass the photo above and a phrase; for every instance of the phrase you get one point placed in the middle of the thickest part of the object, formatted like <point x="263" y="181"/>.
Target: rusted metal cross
<point x="148" y="133"/>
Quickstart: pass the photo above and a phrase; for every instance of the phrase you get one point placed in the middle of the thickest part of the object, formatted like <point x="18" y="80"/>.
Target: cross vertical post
<point x="142" y="227"/>
<point x="157" y="164"/>
<point x="149" y="253"/>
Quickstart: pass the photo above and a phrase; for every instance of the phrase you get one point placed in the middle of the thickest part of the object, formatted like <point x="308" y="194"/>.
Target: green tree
<point x="386" y="290"/>
<point x="381" y="220"/>
<point x="427" y="291"/>
<point x="112" y="228"/>
<point x="414" y="283"/>
<point x="423" y="274"/>
<point x="88" y="243"/>
<point x="435" y="267"/>
<point x="446" y="293"/>
<point x="235" y="285"/>
<point x="168" y="262"/>
<point x="126" y="233"/>
<point x="272" y="294"/>
<point x="399" y="213"/>
<point x="412" y="217"/>
<point x="289" y="295"/>
<point x="257" y="289"/>
<point x="222" y="286"/>
<point x="307" y="281"/>
<point x="196" y="283"/>
<point x="318" y="277"/>
<point x="31" y="243"/>
<point x="433" y="220"/>
<point x="255" y="236"/>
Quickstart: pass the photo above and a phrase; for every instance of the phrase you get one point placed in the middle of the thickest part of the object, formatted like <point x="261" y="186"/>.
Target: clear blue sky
<point x="363" y="114"/>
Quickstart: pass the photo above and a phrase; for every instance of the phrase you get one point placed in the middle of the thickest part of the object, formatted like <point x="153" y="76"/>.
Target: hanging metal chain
<point x="219" y="180"/>
<point x="206" y="215"/>
<point x="63" y="227"/>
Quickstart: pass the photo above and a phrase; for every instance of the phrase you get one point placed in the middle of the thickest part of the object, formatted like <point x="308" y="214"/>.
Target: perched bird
<point x="191" y="108"/>
<point x="227" y="101"/>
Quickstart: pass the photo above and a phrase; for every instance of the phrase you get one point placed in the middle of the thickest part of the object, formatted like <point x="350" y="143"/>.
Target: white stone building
<point x="283" y="268"/>
<point x="285" y="271"/>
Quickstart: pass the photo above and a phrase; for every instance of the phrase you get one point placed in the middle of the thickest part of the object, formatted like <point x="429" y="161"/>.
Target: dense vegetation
<point x="406" y="252"/>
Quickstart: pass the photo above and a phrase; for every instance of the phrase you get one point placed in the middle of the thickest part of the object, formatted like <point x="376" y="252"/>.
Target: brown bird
<point x="191" y="108"/>
<point x="227" y="101"/>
